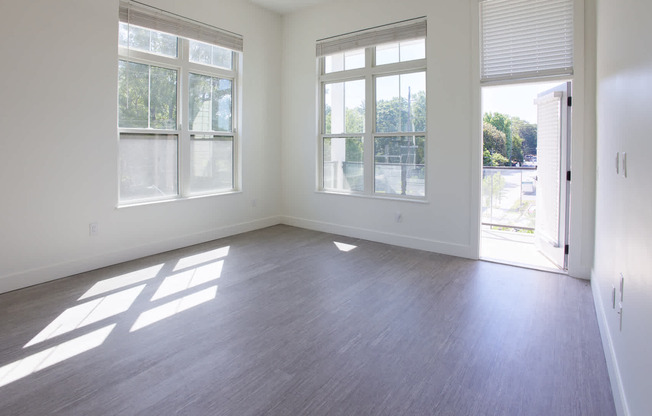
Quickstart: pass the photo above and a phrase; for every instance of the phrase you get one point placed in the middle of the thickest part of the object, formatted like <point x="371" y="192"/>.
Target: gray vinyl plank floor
<point x="281" y="321"/>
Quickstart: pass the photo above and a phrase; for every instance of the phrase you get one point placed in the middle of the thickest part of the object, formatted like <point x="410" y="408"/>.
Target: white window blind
<point x="523" y="39"/>
<point x="139" y="14"/>
<point x="406" y="30"/>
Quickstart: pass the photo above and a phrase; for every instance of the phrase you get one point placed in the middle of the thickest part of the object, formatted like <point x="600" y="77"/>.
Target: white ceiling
<point x="286" y="6"/>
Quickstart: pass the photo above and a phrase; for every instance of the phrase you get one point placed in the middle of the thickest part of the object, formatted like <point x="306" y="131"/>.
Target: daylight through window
<point x="177" y="90"/>
<point x="373" y="111"/>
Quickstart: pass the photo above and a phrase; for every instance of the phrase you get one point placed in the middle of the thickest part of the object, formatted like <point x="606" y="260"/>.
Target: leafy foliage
<point x="393" y="115"/>
<point x="527" y="132"/>
<point x="398" y="115"/>
<point x="493" y="140"/>
<point x="519" y="139"/>
<point x="210" y="99"/>
<point x="147" y="96"/>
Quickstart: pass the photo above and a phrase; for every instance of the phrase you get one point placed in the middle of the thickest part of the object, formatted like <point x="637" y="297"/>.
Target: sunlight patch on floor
<point x="344" y="247"/>
<point x="88" y="313"/>
<point x="188" y="279"/>
<point x="197" y="259"/>
<point x="51" y="356"/>
<point x="121" y="281"/>
<point x="172" y="308"/>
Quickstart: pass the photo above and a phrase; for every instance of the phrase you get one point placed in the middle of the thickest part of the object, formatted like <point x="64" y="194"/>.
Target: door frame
<point x="557" y="251"/>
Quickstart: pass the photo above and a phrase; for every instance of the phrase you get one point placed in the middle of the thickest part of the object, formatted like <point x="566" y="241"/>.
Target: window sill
<point x="413" y="199"/>
<point x="177" y="199"/>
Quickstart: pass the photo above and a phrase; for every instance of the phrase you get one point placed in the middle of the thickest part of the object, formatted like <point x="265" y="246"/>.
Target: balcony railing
<point x="509" y="197"/>
<point x="389" y="178"/>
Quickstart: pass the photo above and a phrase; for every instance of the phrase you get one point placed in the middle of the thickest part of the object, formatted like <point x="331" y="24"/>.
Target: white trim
<point x="386" y="197"/>
<point x="177" y="199"/>
<point x="617" y="388"/>
<point x="476" y="140"/>
<point x="182" y="65"/>
<point x="457" y="250"/>
<point x="369" y="73"/>
<point x="55" y="271"/>
<point x="395" y="68"/>
<point x="580" y="237"/>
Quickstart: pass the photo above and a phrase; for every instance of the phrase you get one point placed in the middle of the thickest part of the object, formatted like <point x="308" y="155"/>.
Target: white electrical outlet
<point x="93" y="229"/>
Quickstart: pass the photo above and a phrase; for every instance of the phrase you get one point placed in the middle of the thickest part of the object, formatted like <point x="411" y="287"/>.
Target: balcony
<point x="389" y="178"/>
<point x="509" y="197"/>
<point x="509" y="216"/>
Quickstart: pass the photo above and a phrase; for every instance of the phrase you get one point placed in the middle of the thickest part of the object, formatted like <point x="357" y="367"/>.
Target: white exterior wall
<point x="623" y="238"/>
<point x="59" y="140"/>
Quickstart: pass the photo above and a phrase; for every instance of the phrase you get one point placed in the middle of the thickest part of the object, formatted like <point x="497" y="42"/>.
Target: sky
<point x="515" y="100"/>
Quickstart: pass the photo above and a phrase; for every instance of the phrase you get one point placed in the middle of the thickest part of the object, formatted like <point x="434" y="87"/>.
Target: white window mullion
<point x="182" y="111"/>
<point x="235" y="116"/>
<point x="370" y="124"/>
<point x="149" y="97"/>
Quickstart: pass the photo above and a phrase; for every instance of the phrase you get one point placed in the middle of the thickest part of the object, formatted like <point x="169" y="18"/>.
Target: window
<point x="177" y="90"/>
<point x="373" y="111"/>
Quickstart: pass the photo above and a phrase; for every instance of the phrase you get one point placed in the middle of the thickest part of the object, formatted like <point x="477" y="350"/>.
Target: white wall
<point x="449" y="221"/>
<point x="58" y="153"/>
<point x="59" y="141"/>
<point x="442" y="224"/>
<point x="623" y="240"/>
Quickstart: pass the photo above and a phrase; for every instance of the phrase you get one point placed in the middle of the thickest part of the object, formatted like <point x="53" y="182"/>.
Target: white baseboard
<point x="67" y="268"/>
<point x="457" y="250"/>
<point x="617" y="389"/>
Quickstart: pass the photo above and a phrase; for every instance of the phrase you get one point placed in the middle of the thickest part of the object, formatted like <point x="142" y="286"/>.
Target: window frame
<point x="184" y="68"/>
<point x="368" y="73"/>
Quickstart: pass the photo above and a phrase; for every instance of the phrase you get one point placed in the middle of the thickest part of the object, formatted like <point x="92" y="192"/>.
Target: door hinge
<point x="568" y="175"/>
<point x="569" y="101"/>
<point x="566" y="249"/>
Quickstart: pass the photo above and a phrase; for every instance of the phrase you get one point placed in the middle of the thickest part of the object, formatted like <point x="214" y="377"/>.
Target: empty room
<point x="325" y="207"/>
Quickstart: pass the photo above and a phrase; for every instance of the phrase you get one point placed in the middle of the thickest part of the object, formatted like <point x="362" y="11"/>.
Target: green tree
<point x="503" y="123"/>
<point x="419" y="111"/>
<point x="147" y="96"/>
<point x="499" y="160"/>
<point x="493" y="140"/>
<point x="204" y="89"/>
<point x="402" y="115"/>
<point x="163" y="98"/>
<point x="133" y="94"/>
<point x="486" y="158"/>
<point x="527" y="132"/>
<point x="396" y="115"/>
<point x="517" y="148"/>
<point x="520" y="136"/>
